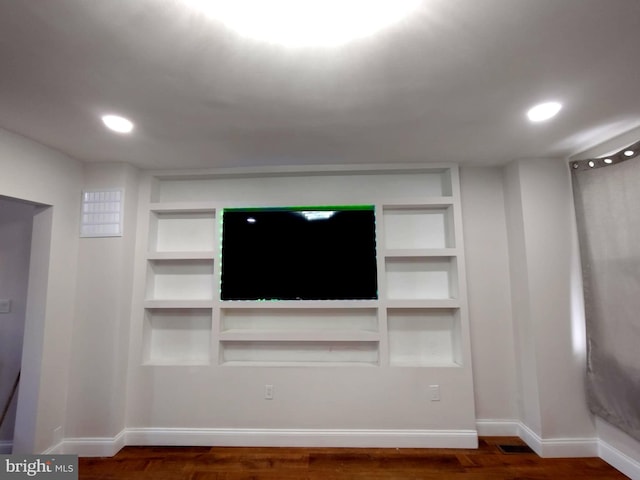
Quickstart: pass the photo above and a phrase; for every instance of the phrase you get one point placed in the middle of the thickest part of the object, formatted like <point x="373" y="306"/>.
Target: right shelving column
<point x="422" y="280"/>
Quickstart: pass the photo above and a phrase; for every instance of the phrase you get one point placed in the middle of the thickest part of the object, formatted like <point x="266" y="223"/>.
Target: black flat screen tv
<point x="299" y="253"/>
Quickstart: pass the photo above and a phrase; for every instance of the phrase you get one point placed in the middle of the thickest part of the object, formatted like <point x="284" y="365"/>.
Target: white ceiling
<point x="452" y="83"/>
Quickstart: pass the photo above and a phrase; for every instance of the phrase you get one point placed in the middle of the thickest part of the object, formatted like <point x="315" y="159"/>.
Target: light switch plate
<point x="5" y="305"/>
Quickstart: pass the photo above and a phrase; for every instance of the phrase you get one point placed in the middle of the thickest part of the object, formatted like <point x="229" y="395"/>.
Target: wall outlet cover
<point x="5" y="305"/>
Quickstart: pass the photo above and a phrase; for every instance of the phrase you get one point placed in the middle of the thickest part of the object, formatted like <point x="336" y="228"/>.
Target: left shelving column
<point x="179" y="284"/>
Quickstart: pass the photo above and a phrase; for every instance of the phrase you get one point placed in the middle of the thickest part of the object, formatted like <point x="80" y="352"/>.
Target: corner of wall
<point x="618" y="449"/>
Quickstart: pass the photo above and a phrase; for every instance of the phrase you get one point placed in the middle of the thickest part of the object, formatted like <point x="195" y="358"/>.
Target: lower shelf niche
<point x="255" y="353"/>
<point x="301" y="319"/>
<point x="414" y="278"/>
<point x="177" y="336"/>
<point x="424" y="337"/>
<point x="180" y="280"/>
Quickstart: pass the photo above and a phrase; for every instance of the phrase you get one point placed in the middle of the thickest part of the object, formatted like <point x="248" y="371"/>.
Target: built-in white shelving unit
<point x="179" y="284"/>
<point x="419" y="319"/>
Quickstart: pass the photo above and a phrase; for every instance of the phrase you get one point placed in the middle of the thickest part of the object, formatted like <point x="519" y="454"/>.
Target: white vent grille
<point x="102" y="213"/>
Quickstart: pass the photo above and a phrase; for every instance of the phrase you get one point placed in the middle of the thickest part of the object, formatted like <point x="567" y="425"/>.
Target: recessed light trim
<point x="117" y="123"/>
<point x="544" y="111"/>
<point x="310" y="23"/>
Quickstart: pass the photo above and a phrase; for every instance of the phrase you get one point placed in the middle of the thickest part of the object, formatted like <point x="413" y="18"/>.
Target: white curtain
<point x="607" y="200"/>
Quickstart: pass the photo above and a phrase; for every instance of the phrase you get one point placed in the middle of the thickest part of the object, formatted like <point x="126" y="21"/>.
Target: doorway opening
<point x="25" y="235"/>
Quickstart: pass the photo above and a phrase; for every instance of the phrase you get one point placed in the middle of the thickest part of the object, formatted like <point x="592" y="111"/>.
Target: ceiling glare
<point x="117" y="123"/>
<point x="544" y="111"/>
<point x="311" y="23"/>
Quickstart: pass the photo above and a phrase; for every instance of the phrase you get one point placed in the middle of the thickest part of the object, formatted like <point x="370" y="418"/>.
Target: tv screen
<point x="299" y="253"/>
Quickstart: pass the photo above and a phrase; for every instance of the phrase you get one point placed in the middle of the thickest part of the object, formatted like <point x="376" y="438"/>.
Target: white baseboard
<point x="559" y="447"/>
<point x="305" y="438"/>
<point x="614" y="457"/>
<point x="91" y="447"/>
<point x="549" y="448"/>
<point x="5" y="447"/>
<point x="563" y="447"/>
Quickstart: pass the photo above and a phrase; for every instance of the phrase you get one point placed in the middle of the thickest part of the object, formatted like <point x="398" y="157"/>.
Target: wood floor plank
<point x="487" y="462"/>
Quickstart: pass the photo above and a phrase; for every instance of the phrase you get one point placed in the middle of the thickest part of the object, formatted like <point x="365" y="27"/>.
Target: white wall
<point x="16" y="219"/>
<point x="38" y="174"/>
<point x="527" y="396"/>
<point x="489" y="293"/>
<point x="103" y="309"/>
<point x="550" y="342"/>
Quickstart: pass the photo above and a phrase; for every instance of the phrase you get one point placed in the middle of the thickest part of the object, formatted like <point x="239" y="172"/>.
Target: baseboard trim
<point x="92" y="447"/>
<point x="559" y="447"/>
<point x="304" y="437"/>
<point x="619" y="460"/>
<point x="549" y="448"/>
<point x="498" y="428"/>
<point x="5" y="448"/>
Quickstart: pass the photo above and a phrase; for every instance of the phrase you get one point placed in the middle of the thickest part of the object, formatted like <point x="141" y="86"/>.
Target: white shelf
<point x="242" y="363"/>
<point x="306" y="319"/>
<point x="208" y="255"/>
<point x="419" y="252"/>
<point x="177" y="304"/>
<point x="299" y="353"/>
<point x="183" y="207"/>
<point x="299" y="336"/>
<point x="182" y="231"/>
<point x="418" y="227"/>
<point x="434" y="363"/>
<point x="421" y="278"/>
<point x="423" y="337"/>
<point x="420" y="203"/>
<point x="177" y="337"/>
<point x="179" y="279"/>
<point x="424" y="304"/>
<point x="236" y="186"/>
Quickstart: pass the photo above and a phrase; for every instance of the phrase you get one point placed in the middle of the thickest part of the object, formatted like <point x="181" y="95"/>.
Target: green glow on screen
<point x="300" y="208"/>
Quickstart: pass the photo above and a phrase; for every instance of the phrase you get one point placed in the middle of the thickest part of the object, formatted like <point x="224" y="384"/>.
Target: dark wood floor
<point x="235" y="463"/>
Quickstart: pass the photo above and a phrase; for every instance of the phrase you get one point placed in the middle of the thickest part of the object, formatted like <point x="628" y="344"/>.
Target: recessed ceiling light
<point x="628" y="153"/>
<point x="544" y="111"/>
<point x="608" y="161"/>
<point x="117" y="123"/>
<point x="310" y="23"/>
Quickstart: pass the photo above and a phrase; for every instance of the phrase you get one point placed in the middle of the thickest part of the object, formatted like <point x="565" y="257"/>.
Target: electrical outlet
<point x="434" y="391"/>
<point x="268" y="392"/>
<point x="5" y="305"/>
